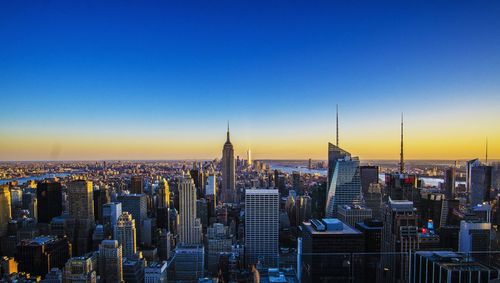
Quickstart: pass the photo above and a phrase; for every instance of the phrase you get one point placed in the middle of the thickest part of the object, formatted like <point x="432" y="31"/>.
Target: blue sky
<point x="180" y="70"/>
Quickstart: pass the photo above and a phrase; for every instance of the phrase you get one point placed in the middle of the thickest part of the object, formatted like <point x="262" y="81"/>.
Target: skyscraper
<point x="110" y="262"/>
<point x="228" y="190"/>
<point x="110" y="213"/>
<point x="261" y="226"/>
<point x="163" y="205"/>
<point x="136" y="184"/>
<point x="101" y="197"/>
<point x="344" y="186"/>
<point x="218" y="241"/>
<point x="211" y="193"/>
<point x="136" y="204"/>
<point x="5" y="209"/>
<point x="326" y="244"/>
<point x="39" y="255"/>
<point x="369" y="175"/>
<point x="80" y="199"/>
<point x="49" y="200"/>
<point x="249" y="157"/>
<point x="189" y="263"/>
<point x="399" y="236"/>
<point x="480" y="184"/>
<point x="449" y="182"/>
<point x="189" y="225"/>
<point x="163" y="194"/>
<point x="79" y="270"/>
<point x="125" y="234"/>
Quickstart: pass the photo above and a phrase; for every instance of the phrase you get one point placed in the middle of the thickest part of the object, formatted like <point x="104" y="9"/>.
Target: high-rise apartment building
<point x="189" y="225"/>
<point x="228" y="190"/>
<point x="49" y="200"/>
<point x="110" y="262"/>
<point x="80" y="199"/>
<point x="125" y="234"/>
<point x="262" y="226"/>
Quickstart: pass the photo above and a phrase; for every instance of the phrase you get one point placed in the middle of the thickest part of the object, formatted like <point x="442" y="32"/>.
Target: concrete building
<point x="135" y="204"/>
<point x="110" y="262"/>
<point x="110" y="213"/>
<point x="49" y="200"/>
<point x="39" y="255"/>
<point x="352" y="214"/>
<point x="189" y="226"/>
<point x="399" y="237"/>
<point x="326" y="244"/>
<point x="189" y="262"/>
<point x="446" y="266"/>
<point x="156" y="272"/>
<point x="5" y="209"/>
<point x="80" y="199"/>
<point x="218" y="240"/>
<point x="125" y="234"/>
<point x="79" y="270"/>
<point x="228" y="190"/>
<point x="474" y="237"/>
<point x="262" y="226"/>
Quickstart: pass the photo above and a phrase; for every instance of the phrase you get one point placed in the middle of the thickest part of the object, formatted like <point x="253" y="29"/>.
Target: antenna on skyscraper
<point x="401" y="157"/>
<point x="486" y="150"/>
<point x="227" y="130"/>
<point x="337" y="126"/>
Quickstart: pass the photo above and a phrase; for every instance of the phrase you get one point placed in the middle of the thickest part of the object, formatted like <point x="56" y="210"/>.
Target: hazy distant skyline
<point x="84" y="80"/>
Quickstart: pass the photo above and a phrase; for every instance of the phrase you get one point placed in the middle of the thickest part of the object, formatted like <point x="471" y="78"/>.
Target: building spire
<point x="228" y="131"/>
<point x="401" y="157"/>
<point x="337" y="125"/>
<point x="486" y="150"/>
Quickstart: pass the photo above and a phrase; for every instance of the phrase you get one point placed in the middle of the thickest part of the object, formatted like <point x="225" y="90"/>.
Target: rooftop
<point x="331" y="226"/>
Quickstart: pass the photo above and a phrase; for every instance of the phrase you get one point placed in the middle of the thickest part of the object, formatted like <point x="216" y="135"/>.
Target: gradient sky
<point x="159" y="79"/>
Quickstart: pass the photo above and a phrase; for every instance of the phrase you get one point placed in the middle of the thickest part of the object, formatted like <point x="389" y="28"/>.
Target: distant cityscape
<point x="249" y="141"/>
<point x="236" y="219"/>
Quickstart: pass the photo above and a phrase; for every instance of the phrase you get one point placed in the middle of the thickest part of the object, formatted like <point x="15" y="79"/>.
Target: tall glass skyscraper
<point x="344" y="186"/>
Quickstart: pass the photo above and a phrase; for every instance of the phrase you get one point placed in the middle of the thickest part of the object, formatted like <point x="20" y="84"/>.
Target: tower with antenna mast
<point x="486" y="161"/>
<point x="337" y="125"/>
<point x="401" y="155"/>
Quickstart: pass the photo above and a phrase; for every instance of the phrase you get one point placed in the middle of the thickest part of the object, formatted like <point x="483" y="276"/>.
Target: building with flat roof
<point x="352" y="214"/>
<point x="326" y="248"/>
<point x="262" y="226"/>
<point x="446" y="266"/>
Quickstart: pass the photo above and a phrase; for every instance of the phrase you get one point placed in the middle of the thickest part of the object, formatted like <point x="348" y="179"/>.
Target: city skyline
<point x="85" y="82"/>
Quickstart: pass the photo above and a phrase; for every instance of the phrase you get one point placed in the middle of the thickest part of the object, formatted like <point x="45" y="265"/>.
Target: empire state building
<point x="228" y="191"/>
